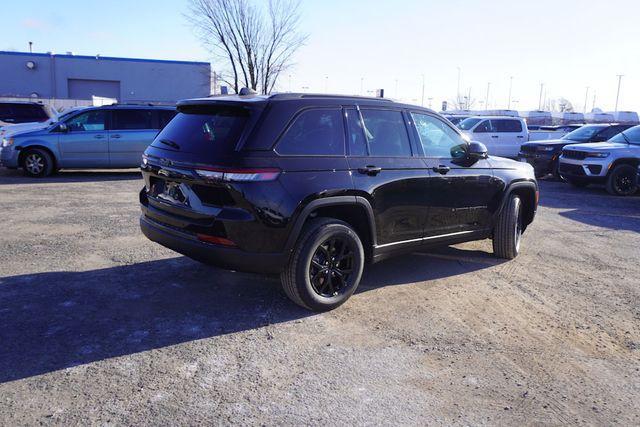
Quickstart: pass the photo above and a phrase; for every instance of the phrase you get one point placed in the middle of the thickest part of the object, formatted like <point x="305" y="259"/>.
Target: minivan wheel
<point x="622" y="181"/>
<point x="37" y="163"/>
<point x="508" y="230"/>
<point x="325" y="267"/>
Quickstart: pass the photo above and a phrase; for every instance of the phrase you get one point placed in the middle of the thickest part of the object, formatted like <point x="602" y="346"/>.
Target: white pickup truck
<point x="502" y="135"/>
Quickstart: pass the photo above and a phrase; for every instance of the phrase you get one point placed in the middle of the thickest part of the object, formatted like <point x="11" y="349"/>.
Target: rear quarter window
<point x="508" y="125"/>
<point x="314" y="132"/>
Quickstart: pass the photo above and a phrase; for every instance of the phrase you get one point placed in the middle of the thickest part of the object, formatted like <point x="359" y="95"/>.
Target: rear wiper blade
<point x="170" y="143"/>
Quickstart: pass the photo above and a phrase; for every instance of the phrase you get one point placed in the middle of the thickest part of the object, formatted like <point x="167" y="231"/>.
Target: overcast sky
<point x="565" y="44"/>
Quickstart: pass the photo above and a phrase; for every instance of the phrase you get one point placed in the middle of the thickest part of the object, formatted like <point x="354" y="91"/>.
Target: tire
<point x="37" y="163"/>
<point x="508" y="230"/>
<point x="308" y="278"/>
<point x="577" y="182"/>
<point x="622" y="181"/>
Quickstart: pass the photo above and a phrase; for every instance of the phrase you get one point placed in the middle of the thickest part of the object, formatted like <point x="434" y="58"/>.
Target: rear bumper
<point x="217" y="255"/>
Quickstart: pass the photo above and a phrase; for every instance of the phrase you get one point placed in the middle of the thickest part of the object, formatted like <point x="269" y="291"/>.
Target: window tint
<point x="28" y="111"/>
<point x="314" y="132"/>
<point x="386" y="133"/>
<point x="90" y="121"/>
<point x="484" y="127"/>
<point x="631" y="136"/>
<point x="610" y="132"/>
<point x="5" y="111"/>
<point x="131" y="119"/>
<point x="505" y="125"/>
<point x="437" y="138"/>
<point x="357" y="141"/>
<point x="164" y="117"/>
<point x="208" y="131"/>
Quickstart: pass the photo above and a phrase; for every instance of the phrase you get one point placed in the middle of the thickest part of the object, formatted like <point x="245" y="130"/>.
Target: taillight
<point x="215" y="240"/>
<point x="239" y="175"/>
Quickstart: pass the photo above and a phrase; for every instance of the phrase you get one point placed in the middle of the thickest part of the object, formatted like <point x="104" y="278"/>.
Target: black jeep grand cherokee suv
<point x="312" y="187"/>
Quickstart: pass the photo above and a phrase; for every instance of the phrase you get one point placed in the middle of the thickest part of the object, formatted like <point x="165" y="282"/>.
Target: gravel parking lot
<point x="101" y="326"/>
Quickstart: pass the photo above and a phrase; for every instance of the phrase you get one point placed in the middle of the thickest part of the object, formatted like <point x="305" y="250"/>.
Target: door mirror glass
<point x="477" y="151"/>
<point x="62" y="128"/>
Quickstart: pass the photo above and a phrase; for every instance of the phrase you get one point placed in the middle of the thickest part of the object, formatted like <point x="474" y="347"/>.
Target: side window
<point x="131" y="119"/>
<point x="484" y="127"/>
<point x="386" y="133"/>
<point x="437" y="138"/>
<point x="610" y="132"/>
<point x="506" y="125"/>
<point x="355" y="131"/>
<point x="314" y="132"/>
<point x="89" y="121"/>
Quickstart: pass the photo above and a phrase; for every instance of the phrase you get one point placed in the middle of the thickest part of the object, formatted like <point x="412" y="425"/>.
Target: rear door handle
<point x="370" y="170"/>
<point x="494" y="136"/>
<point x="99" y="137"/>
<point x="116" y="136"/>
<point x="441" y="169"/>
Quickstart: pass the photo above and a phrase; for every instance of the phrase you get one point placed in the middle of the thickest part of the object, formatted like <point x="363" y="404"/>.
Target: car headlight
<point x="7" y="142"/>
<point x="545" y="148"/>
<point x="598" y="155"/>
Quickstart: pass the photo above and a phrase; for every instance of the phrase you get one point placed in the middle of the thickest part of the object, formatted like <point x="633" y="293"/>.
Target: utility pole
<point x="486" y="99"/>
<point x="540" y="99"/>
<point x="458" y="90"/>
<point x="422" y="102"/>
<point x="510" y="87"/>
<point x="586" y="96"/>
<point x="620" y="76"/>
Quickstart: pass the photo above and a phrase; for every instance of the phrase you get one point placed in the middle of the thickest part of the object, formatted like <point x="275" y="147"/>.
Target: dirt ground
<point x="100" y="326"/>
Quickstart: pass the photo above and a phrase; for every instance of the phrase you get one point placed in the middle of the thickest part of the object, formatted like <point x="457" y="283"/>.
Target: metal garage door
<point x="84" y="88"/>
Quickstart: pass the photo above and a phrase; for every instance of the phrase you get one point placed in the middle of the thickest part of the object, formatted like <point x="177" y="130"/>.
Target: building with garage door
<point x="51" y="76"/>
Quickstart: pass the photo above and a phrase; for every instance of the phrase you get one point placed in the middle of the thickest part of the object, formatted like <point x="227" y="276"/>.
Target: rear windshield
<point x="213" y="130"/>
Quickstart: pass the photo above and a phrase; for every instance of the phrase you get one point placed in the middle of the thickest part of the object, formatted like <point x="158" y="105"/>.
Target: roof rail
<point x="324" y="95"/>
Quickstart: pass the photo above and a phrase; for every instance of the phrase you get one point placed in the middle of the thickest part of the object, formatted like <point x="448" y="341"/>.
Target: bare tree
<point x="256" y="42"/>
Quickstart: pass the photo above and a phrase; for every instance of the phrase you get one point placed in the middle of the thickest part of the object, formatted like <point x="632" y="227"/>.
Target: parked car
<point x="455" y="119"/>
<point x="544" y="155"/>
<point x="22" y="127"/>
<point x="12" y="112"/>
<point x="613" y="163"/>
<point x="502" y="135"/>
<point x="312" y="187"/>
<point x="97" y="137"/>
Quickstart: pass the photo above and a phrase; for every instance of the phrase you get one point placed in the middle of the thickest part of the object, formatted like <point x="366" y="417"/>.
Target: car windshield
<point x="467" y="124"/>
<point x="629" y="136"/>
<point x="583" y="134"/>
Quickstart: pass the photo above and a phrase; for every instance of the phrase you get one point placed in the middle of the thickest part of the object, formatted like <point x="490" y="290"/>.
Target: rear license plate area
<point x="168" y="191"/>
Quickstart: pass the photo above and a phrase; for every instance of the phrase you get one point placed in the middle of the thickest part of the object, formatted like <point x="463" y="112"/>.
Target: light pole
<point x="540" y="98"/>
<point x="620" y="76"/>
<point x="422" y="102"/>
<point x="586" y="97"/>
<point x="458" y="90"/>
<point x="486" y="99"/>
<point x="510" y="87"/>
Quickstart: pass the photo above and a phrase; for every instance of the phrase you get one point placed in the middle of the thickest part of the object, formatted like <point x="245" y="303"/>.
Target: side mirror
<point x="62" y="127"/>
<point x="477" y="151"/>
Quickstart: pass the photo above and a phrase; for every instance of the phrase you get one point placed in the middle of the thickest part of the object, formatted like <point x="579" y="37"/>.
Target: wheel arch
<point x="631" y="161"/>
<point x="354" y="210"/>
<point x="528" y="193"/>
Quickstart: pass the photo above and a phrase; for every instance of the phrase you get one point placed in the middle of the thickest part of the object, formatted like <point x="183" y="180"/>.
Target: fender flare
<point x="530" y="185"/>
<point x="330" y="201"/>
